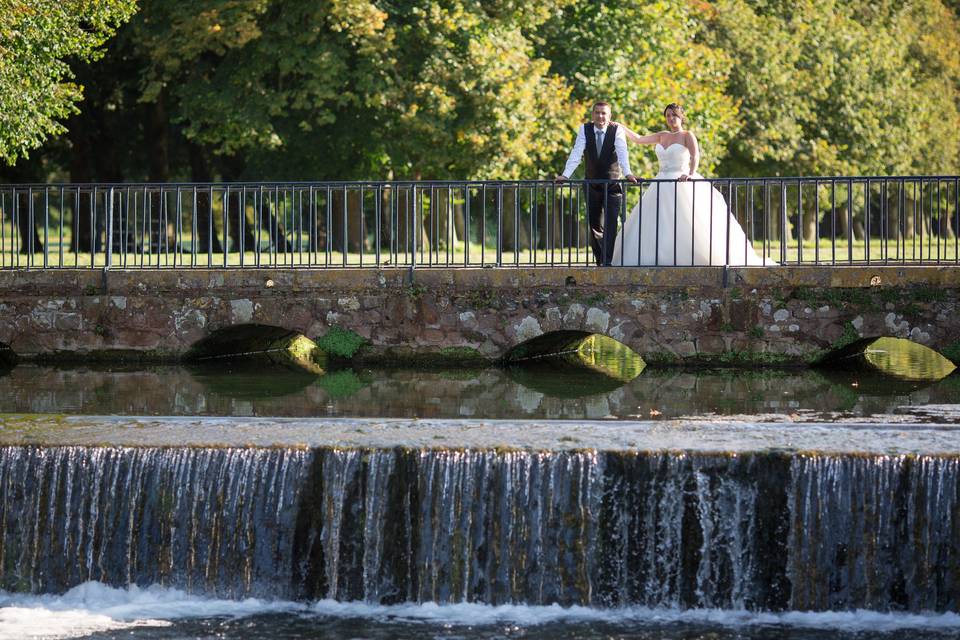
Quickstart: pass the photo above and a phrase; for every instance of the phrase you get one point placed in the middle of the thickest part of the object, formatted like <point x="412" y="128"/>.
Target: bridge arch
<point x="259" y="342"/>
<point x="589" y="362"/>
<point x="547" y="344"/>
<point x="890" y="357"/>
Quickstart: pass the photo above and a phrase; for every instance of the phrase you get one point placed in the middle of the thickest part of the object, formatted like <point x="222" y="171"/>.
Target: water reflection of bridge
<point x="488" y="393"/>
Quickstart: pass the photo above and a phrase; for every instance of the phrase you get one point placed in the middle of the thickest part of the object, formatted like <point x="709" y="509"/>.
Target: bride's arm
<point x="694" y="148"/>
<point x="635" y="137"/>
<point x="690" y="142"/>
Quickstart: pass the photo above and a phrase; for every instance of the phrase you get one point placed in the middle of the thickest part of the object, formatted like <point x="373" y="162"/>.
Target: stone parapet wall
<point x="776" y="315"/>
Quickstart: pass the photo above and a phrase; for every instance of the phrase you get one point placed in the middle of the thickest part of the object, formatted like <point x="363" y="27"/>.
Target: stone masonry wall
<point x="776" y="315"/>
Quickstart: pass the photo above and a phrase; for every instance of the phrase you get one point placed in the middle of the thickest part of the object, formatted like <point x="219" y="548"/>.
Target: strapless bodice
<point x="674" y="159"/>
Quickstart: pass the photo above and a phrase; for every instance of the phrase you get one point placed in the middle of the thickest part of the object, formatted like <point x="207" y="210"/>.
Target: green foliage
<point x="341" y="342"/>
<point x="471" y="98"/>
<point x="37" y="39"/>
<point x="842" y="88"/>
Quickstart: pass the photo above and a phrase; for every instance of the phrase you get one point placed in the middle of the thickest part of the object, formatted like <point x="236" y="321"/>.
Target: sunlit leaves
<point x="842" y="88"/>
<point x="37" y="38"/>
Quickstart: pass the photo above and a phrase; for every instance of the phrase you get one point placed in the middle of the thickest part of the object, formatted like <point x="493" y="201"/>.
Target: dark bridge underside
<point x="548" y="344"/>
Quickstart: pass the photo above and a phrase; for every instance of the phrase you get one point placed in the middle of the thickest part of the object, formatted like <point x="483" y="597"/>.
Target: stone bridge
<point x="778" y="315"/>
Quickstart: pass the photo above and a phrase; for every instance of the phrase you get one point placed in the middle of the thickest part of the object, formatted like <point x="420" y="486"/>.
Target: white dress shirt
<point x="619" y="143"/>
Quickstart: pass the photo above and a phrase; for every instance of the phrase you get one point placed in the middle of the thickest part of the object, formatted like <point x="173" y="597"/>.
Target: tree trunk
<point x="208" y="239"/>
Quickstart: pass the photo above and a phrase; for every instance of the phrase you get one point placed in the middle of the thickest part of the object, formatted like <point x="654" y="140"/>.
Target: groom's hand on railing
<point x="560" y="178"/>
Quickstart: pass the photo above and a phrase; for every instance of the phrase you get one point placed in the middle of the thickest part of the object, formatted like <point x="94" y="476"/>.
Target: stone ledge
<point x="270" y="281"/>
<point x="728" y="437"/>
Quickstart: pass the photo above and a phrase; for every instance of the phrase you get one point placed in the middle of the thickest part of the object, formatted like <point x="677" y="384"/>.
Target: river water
<point x="922" y="414"/>
<point x="515" y="393"/>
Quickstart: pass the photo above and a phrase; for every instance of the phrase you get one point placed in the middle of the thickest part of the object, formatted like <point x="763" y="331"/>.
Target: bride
<point x="682" y="222"/>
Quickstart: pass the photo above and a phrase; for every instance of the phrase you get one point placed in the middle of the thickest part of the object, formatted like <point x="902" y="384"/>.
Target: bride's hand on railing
<point x="683" y="178"/>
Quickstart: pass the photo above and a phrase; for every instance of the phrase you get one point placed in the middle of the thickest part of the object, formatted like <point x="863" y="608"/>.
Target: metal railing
<point x="787" y="221"/>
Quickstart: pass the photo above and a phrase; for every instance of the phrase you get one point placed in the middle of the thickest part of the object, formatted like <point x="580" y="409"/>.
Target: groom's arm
<point x="576" y="154"/>
<point x="623" y="156"/>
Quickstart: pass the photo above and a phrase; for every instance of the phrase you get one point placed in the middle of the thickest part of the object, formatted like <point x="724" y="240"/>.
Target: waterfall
<point x="875" y="532"/>
<point x="208" y="520"/>
<point x="759" y="531"/>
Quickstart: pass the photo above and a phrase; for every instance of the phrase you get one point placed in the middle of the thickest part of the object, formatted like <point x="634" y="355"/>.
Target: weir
<point x="344" y="511"/>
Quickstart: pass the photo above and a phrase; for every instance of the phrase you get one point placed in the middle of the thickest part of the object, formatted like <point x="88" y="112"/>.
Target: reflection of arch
<point x="573" y="363"/>
<point x="258" y="342"/>
<point x="8" y="358"/>
<point x="890" y="365"/>
<point x="244" y="379"/>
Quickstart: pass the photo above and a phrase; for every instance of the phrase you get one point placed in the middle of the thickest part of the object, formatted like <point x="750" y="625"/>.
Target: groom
<point x="605" y="147"/>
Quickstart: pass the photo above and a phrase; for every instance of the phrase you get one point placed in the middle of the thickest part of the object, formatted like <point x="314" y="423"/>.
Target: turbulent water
<point x="760" y="532"/>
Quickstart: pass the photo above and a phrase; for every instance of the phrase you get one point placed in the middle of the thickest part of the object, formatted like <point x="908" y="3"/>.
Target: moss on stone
<point x="461" y="354"/>
<point x="752" y="359"/>
<point x="415" y="291"/>
<point x="341" y="343"/>
<point x="482" y="299"/>
<point x="926" y="293"/>
<point x="835" y="296"/>
<point x="952" y="352"/>
<point x="848" y="337"/>
<point x="661" y="358"/>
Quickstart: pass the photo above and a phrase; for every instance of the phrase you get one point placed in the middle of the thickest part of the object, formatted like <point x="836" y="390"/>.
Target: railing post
<point x="499" y="225"/>
<point x="414" y="232"/>
<point x="109" y="229"/>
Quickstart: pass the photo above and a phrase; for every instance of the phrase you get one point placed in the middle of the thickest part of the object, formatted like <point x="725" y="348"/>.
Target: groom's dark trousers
<point x="604" y="200"/>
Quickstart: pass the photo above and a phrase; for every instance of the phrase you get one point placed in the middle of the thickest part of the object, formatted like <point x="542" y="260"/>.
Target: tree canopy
<point x="351" y="89"/>
<point x="38" y="39"/>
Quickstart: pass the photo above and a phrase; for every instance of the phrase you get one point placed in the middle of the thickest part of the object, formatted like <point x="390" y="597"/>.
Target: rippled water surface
<point x="540" y="392"/>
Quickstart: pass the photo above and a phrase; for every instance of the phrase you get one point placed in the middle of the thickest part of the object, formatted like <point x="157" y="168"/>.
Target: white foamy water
<point x="93" y="607"/>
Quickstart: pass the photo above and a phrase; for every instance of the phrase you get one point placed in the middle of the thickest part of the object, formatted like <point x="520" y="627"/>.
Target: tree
<point x="37" y="40"/>
<point x="841" y="88"/>
<point x="471" y="98"/>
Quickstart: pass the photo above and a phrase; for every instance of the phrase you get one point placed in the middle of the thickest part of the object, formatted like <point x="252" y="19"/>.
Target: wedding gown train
<point x="694" y="226"/>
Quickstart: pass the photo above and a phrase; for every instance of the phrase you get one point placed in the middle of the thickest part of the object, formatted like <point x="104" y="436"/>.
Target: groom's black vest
<point x="601" y="165"/>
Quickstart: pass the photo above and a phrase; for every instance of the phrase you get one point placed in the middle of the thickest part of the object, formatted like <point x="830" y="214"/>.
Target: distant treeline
<point x="160" y="90"/>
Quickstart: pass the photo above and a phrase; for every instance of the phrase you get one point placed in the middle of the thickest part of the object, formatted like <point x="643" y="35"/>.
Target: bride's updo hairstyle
<point x="677" y="109"/>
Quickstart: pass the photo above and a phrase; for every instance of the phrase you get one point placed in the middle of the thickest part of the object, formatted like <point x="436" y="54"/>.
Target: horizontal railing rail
<point x="523" y="223"/>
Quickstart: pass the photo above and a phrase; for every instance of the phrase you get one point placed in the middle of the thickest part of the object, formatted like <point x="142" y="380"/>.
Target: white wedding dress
<point x="682" y="234"/>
